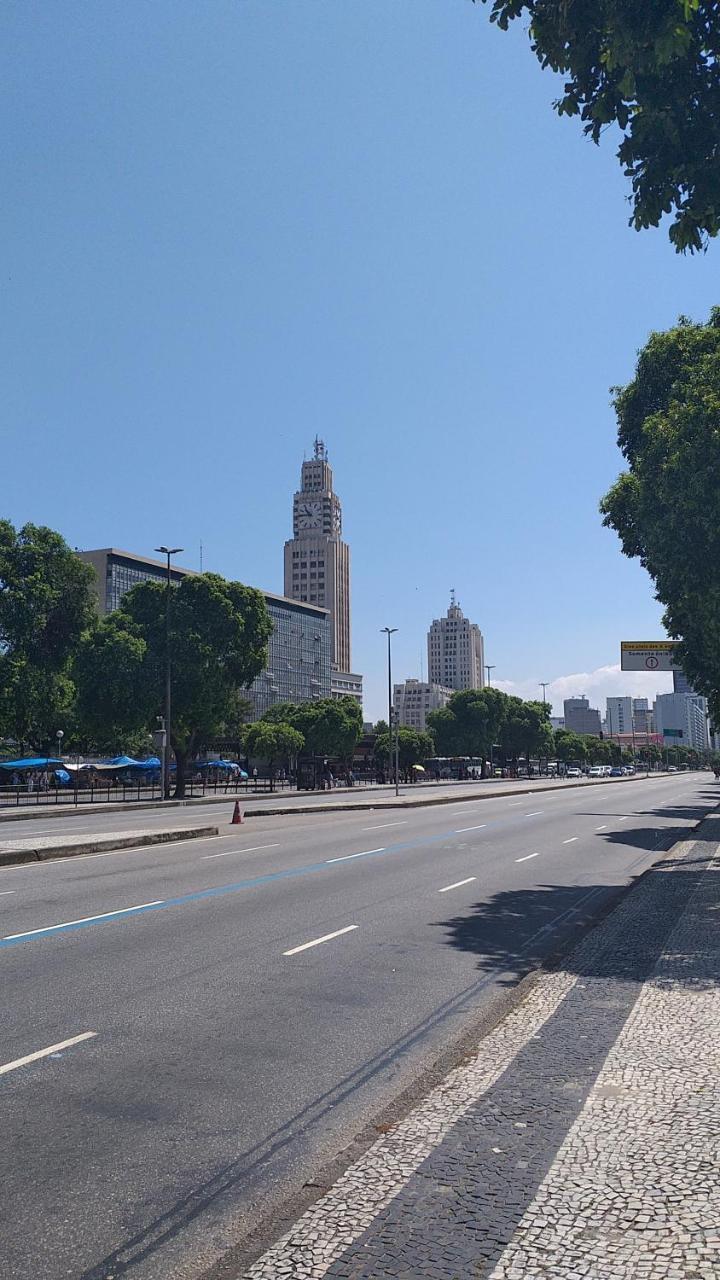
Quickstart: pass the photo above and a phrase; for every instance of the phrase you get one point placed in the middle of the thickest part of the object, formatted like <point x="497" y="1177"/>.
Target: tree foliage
<point x="46" y="604"/>
<point x="272" y="741"/>
<point x="218" y="643"/>
<point x="470" y="723"/>
<point x="330" y="726"/>
<point x="650" y="67"/>
<point x="413" y="747"/>
<point x="666" y="506"/>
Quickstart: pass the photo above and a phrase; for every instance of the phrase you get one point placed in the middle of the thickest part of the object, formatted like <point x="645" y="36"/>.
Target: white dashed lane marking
<point x="527" y="857"/>
<point x="571" y="840"/>
<point x="460" y="830"/>
<point x="457" y="884"/>
<point x="347" y="856"/>
<point x="316" y="942"/>
<point x="45" y="1053"/>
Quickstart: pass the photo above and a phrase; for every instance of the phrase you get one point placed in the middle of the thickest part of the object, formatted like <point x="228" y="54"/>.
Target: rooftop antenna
<point x="201" y="568"/>
<point x="452" y="596"/>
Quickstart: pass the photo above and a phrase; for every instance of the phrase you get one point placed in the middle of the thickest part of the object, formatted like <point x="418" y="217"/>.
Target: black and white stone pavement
<point x="582" y="1139"/>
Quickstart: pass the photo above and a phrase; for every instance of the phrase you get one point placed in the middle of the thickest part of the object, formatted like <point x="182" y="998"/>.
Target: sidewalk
<point x="581" y="1140"/>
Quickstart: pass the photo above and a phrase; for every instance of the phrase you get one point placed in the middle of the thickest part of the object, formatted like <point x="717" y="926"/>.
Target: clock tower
<point x="317" y="561"/>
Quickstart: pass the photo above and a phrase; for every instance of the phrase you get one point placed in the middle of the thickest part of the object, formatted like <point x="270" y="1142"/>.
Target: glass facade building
<point x="298" y="667"/>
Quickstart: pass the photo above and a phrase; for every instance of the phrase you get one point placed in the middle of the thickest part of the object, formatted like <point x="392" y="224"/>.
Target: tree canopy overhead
<point x="330" y="726"/>
<point x="666" y="506"/>
<point x="46" y="604"/>
<point x="651" y="67"/>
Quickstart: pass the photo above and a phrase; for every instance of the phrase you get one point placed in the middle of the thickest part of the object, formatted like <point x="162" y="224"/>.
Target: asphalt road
<point x="250" y="1002"/>
<point x="66" y="820"/>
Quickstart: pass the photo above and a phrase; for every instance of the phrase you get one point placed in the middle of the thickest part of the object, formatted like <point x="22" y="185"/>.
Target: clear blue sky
<point x="228" y="226"/>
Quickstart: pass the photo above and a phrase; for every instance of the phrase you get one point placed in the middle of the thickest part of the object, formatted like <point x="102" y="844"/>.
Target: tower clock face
<point x="309" y="515"/>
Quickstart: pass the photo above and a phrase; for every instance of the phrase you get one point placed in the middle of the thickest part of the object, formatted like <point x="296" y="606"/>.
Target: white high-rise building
<point x="619" y="715"/>
<point x="317" y="562"/>
<point x="682" y="720"/>
<point x="456" y="655"/>
<point x="413" y="699"/>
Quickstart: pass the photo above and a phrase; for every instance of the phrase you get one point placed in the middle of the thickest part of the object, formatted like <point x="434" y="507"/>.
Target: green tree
<point x="470" y="723"/>
<point x="330" y="726"/>
<point x="650" y="67"/>
<point x="666" y="506"/>
<point x="413" y="748"/>
<point x="571" y="748"/>
<point x="218" y="643"/>
<point x="273" y="741"/>
<point x="46" y="604"/>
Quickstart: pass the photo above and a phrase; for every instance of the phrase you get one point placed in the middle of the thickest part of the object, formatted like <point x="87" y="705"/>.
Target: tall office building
<point x="317" y="562"/>
<point x="642" y="716"/>
<point x="298" y="661"/>
<point x="681" y="718"/>
<point x="456" y="654"/>
<point x="619" y="715"/>
<point x="580" y="717"/>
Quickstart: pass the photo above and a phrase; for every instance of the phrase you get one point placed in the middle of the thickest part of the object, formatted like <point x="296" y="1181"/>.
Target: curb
<point x="100" y="844"/>
<point x="132" y="806"/>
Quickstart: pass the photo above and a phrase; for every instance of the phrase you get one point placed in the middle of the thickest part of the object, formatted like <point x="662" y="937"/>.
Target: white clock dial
<point x="309" y="515"/>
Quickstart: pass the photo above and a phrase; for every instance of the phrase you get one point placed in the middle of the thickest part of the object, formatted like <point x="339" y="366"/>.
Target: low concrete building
<point x="413" y="699"/>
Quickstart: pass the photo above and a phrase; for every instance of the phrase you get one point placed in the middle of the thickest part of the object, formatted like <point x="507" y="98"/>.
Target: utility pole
<point x="489" y="666"/>
<point x="543" y="685"/>
<point x="167" y="551"/>
<point x="390" y="631"/>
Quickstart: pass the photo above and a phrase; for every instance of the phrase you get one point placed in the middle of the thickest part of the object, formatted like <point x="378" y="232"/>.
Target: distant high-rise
<point x="619" y="715"/>
<point x="456" y="654"/>
<point x="580" y="717"/>
<point x="317" y="562"/>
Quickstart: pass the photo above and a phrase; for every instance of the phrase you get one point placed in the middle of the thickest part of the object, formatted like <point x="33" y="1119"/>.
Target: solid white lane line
<point x="460" y="830"/>
<point x="457" y="884"/>
<point x="316" y="941"/>
<point x="602" y="827"/>
<point x="347" y="856"/>
<point x="44" y="1053"/>
<point x="535" y="813"/>
<point x="253" y="848"/>
<point x="571" y="840"/>
<point x="527" y="856"/>
<point x="380" y="825"/>
<point x="65" y="924"/>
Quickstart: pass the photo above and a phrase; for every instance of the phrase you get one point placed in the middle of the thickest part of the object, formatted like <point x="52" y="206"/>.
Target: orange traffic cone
<point x="237" y="814"/>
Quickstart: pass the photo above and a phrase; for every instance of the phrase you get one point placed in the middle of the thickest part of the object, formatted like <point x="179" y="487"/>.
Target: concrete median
<point x="13" y="852"/>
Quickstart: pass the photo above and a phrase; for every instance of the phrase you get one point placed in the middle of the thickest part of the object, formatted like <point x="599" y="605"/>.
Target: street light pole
<point x="167" y="551"/>
<point x="543" y="685"/>
<point x="389" y="631"/>
<point x="489" y="667"/>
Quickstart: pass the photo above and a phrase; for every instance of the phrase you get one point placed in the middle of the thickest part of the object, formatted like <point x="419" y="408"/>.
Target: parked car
<point x="617" y="771"/>
<point x="672" y="768"/>
<point x="574" y="772"/>
<point x="597" y="771"/>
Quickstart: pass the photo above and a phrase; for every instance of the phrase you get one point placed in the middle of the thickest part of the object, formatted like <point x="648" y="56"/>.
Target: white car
<point x="574" y="772"/>
<point x="597" y="771"/>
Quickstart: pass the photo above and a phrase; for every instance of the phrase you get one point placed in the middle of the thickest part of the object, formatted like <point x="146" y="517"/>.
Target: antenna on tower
<point x="452" y="596"/>
<point x="320" y="450"/>
<point x="201" y="568"/>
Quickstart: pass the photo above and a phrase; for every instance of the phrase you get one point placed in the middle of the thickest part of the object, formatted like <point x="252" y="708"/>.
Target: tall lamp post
<point x="543" y="685"/>
<point x="167" y="551"/>
<point x="390" y="631"/>
<point x="60" y="735"/>
<point x="489" y="666"/>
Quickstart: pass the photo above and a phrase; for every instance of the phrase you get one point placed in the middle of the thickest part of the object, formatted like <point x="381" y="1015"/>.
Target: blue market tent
<point x="31" y="762"/>
<point x="227" y="766"/>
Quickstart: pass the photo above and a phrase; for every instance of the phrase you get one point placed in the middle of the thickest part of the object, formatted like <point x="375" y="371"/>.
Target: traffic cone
<point x="237" y="815"/>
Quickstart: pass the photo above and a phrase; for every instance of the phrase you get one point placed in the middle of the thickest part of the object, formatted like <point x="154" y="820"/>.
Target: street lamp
<point x="59" y="735"/>
<point x="167" y="551"/>
<point x="390" y="631"/>
<point x="489" y="666"/>
<point x="543" y="685"/>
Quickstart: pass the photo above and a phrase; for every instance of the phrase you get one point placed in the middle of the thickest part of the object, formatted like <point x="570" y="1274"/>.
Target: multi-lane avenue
<point x="191" y="1032"/>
